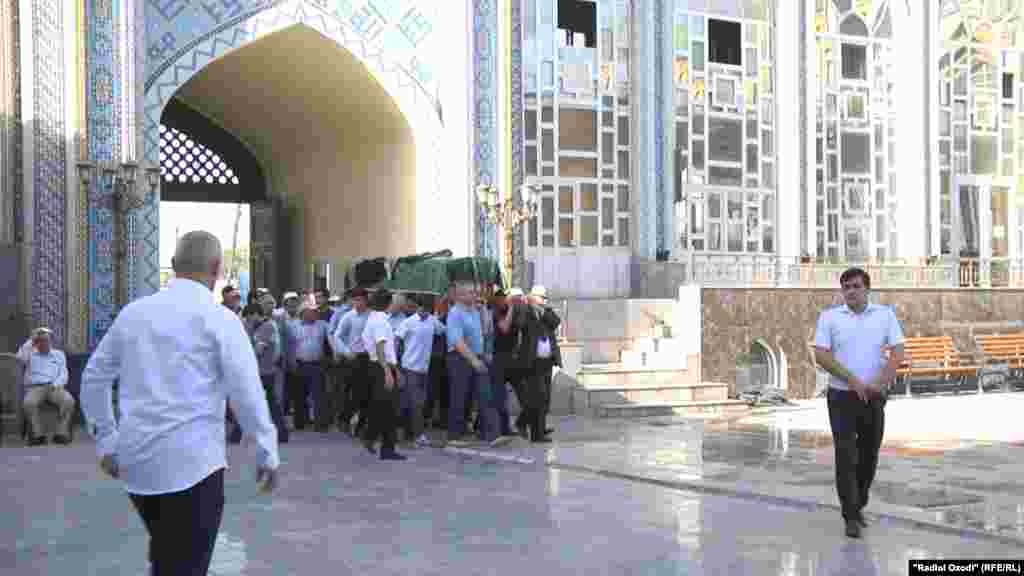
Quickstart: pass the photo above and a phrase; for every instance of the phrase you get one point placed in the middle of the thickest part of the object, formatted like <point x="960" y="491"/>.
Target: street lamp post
<point x="507" y="214"/>
<point x="121" y="181"/>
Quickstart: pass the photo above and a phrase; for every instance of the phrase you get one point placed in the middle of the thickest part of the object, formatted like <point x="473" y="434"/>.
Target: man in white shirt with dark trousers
<point x="379" y="342"/>
<point x="178" y="356"/>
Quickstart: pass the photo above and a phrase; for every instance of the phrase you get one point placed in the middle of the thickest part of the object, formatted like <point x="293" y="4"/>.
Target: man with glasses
<point x="861" y="345"/>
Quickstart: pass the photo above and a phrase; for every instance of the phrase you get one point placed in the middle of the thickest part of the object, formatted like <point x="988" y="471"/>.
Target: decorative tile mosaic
<point x="48" y="170"/>
<point x="103" y="147"/>
<point x="378" y="32"/>
<point x="17" y="155"/>
<point x="485" y="98"/>
<point x="518" y="137"/>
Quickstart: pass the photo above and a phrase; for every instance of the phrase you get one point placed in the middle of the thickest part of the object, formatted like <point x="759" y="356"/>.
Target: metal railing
<point x="774" y="271"/>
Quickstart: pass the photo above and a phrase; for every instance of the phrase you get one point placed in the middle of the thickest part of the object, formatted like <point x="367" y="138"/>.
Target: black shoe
<point x="548" y="431"/>
<point x="60" y="439"/>
<point x="523" y="432"/>
<point x="542" y="440"/>
<point x="861" y="521"/>
<point x="392" y="456"/>
<point x="369" y="447"/>
<point x="37" y="441"/>
<point x="853" y="528"/>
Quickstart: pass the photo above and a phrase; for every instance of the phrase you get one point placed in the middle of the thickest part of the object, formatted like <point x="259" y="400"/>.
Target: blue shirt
<point x="49" y="368"/>
<point x="464" y="324"/>
<point x="339" y="313"/>
<point x="857" y="341"/>
<point x="418" y="335"/>
<point x="348" y="336"/>
<point x="396" y="320"/>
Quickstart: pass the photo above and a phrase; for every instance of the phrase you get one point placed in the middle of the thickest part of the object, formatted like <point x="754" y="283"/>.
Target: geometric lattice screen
<point x="185" y="161"/>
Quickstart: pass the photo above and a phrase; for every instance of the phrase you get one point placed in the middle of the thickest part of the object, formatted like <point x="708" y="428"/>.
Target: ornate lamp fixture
<point x="122" y="181"/>
<point x="508" y="214"/>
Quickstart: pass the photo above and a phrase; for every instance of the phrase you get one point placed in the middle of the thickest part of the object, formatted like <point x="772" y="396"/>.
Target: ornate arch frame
<point x="420" y="108"/>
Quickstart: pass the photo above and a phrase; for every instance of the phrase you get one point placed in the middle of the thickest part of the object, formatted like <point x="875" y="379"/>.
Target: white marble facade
<point x="768" y="131"/>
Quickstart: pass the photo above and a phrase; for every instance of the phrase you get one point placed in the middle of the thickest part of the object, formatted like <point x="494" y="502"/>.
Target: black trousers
<point x="538" y="391"/>
<point x="183" y="526"/>
<point x="857" y="429"/>
<point x="357" y="395"/>
<point x="384" y="410"/>
<point x="507" y="369"/>
<point x="438" y="392"/>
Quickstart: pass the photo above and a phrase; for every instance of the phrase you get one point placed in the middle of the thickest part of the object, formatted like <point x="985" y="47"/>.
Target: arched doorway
<point x="210" y="179"/>
<point x="348" y="138"/>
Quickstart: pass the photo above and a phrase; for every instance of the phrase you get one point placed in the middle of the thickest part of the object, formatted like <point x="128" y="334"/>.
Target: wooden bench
<point x="1002" y="349"/>
<point x="935" y="356"/>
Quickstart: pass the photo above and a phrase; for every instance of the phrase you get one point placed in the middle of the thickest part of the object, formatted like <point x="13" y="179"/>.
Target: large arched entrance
<point x="346" y="138"/>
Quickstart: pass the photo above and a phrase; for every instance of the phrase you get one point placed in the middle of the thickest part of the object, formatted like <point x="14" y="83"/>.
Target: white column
<point x="642" y="171"/>
<point x="934" y="40"/>
<point x="667" y="120"/>
<point x="74" y="299"/>
<point x="911" y="55"/>
<point x="787" y="129"/>
<point x="808" y="110"/>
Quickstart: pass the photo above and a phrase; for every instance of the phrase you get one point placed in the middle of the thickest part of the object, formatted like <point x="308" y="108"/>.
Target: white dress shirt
<point x="177" y="355"/>
<point x="858" y="341"/>
<point x="378" y="329"/>
<point x="49" y="368"/>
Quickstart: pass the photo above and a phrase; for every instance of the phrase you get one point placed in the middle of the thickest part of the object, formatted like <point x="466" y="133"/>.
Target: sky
<point x="219" y="219"/>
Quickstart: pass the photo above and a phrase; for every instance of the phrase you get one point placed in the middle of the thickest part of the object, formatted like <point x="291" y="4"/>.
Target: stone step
<point x="647" y="409"/>
<point x="620" y="376"/>
<point x="586" y="400"/>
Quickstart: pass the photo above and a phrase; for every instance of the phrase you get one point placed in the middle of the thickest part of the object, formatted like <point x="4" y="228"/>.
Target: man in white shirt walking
<point x="45" y="376"/>
<point x="379" y="341"/>
<point x="347" y="341"/>
<point x="860" y="345"/>
<point x="178" y="355"/>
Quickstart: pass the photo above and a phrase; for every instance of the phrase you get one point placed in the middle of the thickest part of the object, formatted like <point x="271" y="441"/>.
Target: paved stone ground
<point x="342" y="511"/>
<point x="953" y="463"/>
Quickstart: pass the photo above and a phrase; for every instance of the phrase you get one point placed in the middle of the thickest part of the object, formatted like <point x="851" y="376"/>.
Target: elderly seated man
<point x="45" y="371"/>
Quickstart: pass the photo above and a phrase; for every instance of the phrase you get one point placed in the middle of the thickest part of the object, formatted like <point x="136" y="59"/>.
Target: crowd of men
<point x="375" y="362"/>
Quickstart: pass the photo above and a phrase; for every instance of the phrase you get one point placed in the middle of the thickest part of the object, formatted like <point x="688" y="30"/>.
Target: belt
<point x="308" y="362"/>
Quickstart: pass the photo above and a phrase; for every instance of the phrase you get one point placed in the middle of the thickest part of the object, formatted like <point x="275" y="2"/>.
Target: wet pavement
<point x="658" y="496"/>
<point x="953" y="463"/>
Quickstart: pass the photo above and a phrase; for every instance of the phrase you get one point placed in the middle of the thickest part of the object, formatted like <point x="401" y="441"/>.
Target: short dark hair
<point x="227" y="289"/>
<point x="381" y="299"/>
<point x="853" y="274"/>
